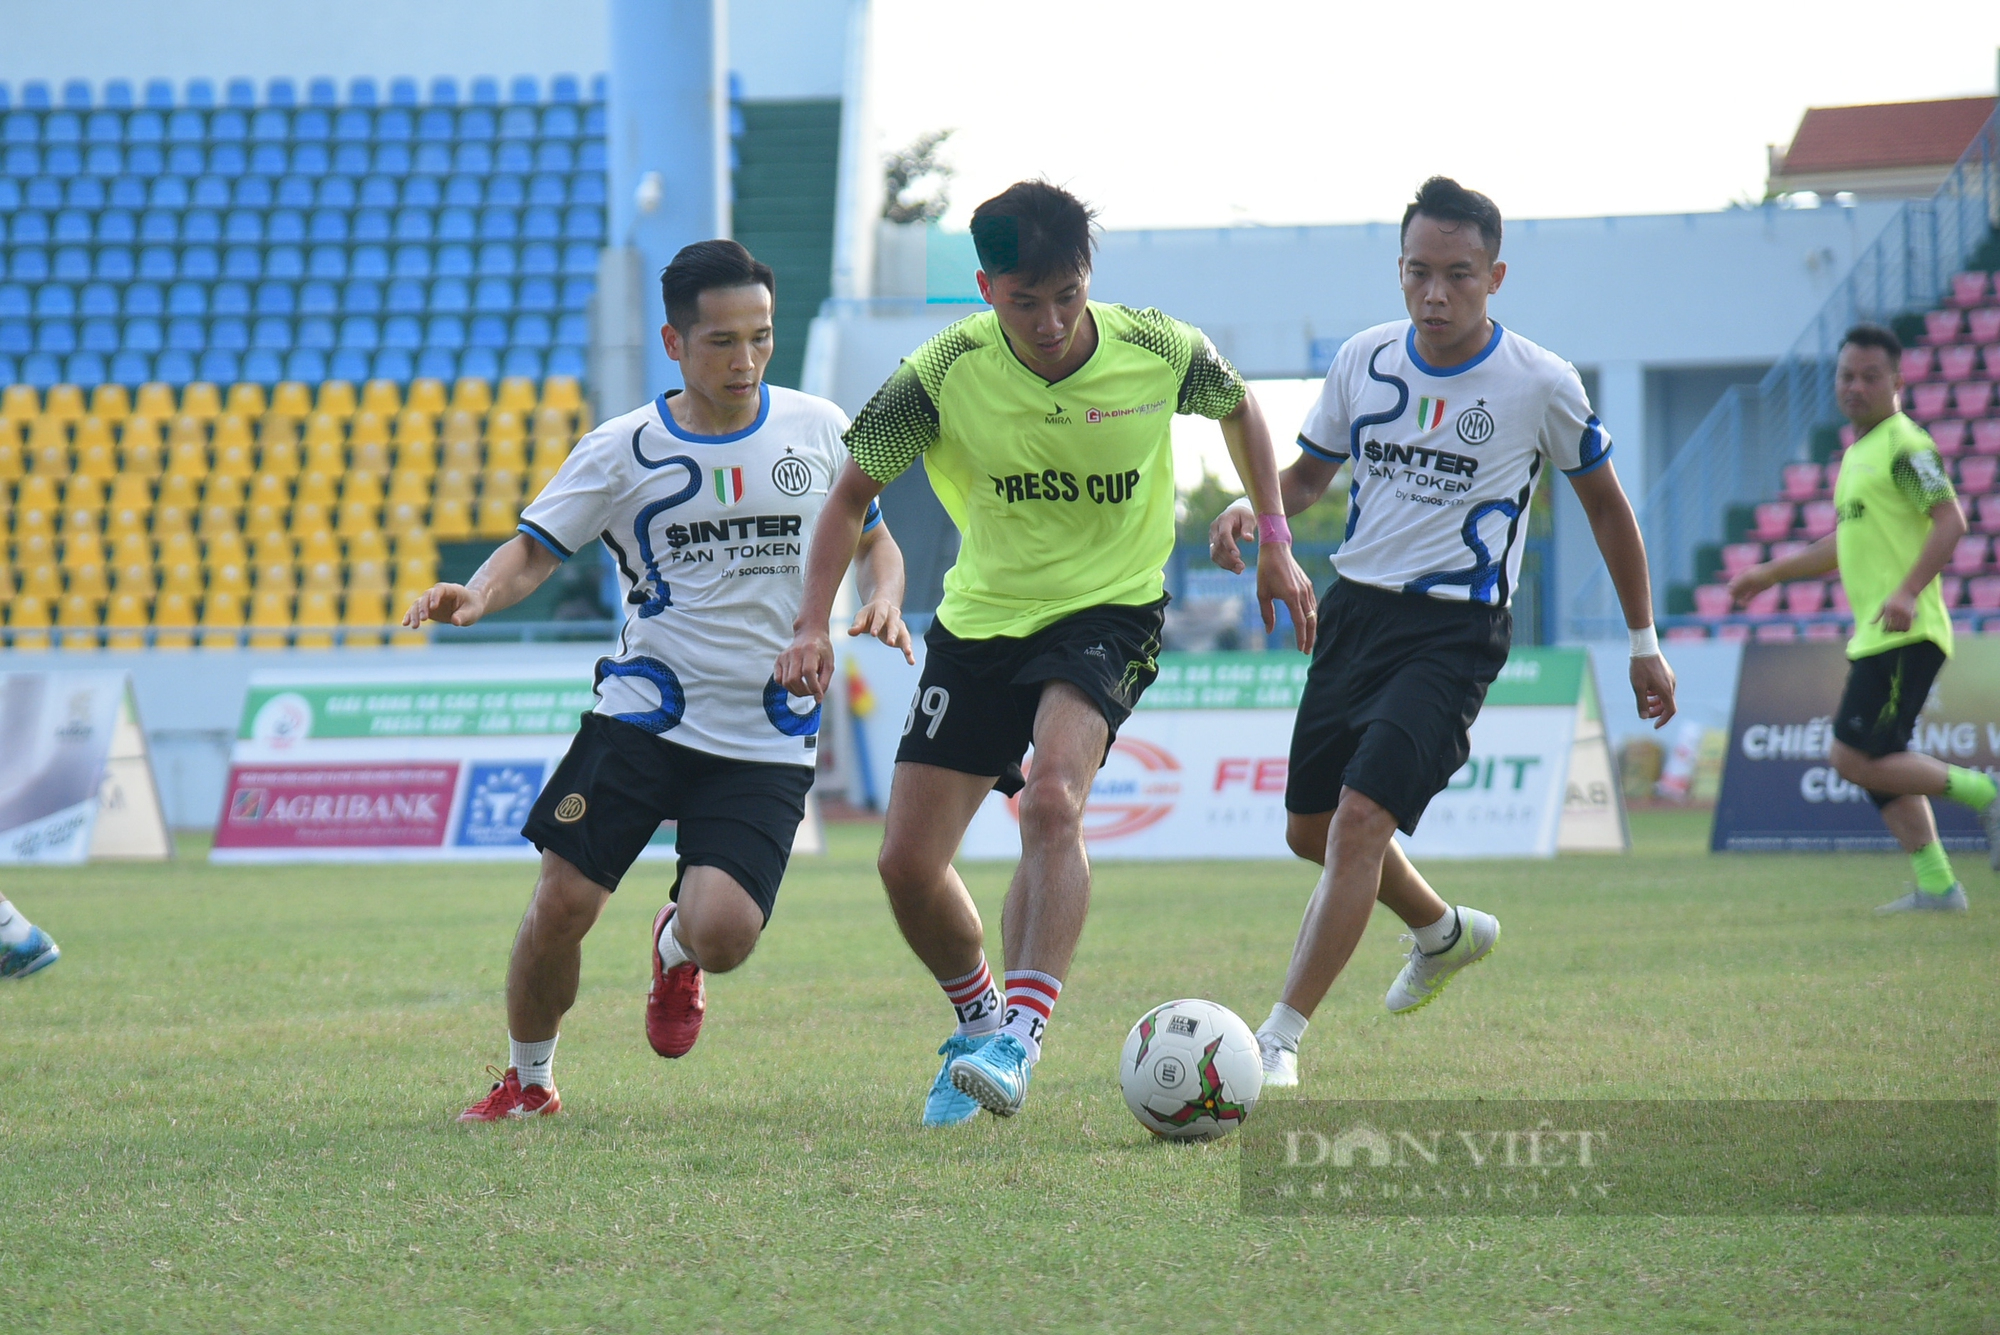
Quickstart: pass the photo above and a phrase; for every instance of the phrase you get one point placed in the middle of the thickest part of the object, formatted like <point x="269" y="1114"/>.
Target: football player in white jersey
<point x="705" y="498"/>
<point x="1447" y="421"/>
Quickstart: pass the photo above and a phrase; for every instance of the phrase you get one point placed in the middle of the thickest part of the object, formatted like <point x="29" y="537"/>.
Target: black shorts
<point x="1395" y="683"/>
<point x="1885" y="693"/>
<point x="618" y="782"/>
<point x="974" y="710"/>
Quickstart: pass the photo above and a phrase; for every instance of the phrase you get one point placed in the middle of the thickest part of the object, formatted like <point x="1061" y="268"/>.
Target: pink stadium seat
<point x="1958" y="362"/>
<point x="1984" y="325"/>
<point x="1826" y="630"/>
<point x="1985" y="594"/>
<point x="1735" y="632"/>
<point x="1840" y="603"/>
<point x="1942" y="326"/>
<point x="1801" y="481"/>
<point x="1777" y="632"/>
<point x="1764" y="604"/>
<point x="1952" y="588"/>
<point x="1774" y="521"/>
<point x="1847" y="436"/>
<point x="1949" y="436"/>
<point x="1970" y="397"/>
<point x="1676" y="633"/>
<point x="1988" y="519"/>
<point x="1740" y="556"/>
<point x="1928" y="402"/>
<point x="1820" y="519"/>
<point x="1806" y="597"/>
<point x="1976" y="473"/>
<point x="1712" y="601"/>
<point x="1917" y="364"/>
<point x="1986" y="436"/>
<point x="1968" y="289"/>
<point x="1969" y="557"/>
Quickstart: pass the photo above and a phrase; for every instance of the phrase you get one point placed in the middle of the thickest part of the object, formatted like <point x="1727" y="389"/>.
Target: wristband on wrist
<point x="1645" y="642"/>
<point x="1273" y="528"/>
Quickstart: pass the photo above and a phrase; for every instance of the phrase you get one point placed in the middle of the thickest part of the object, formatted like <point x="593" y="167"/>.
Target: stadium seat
<point x="1774" y="521"/>
<point x="1969" y="556"/>
<point x="1983" y="593"/>
<point x="1930" y="401"/>
<point x="1983" y="326"/>
<point x="1943" y="326"/>
<point x="1805" y="597"/>
<point x="1969" y="399"/>
<point x="1802" y="481"/>
<point x="1976" y="474"/>
<point x="1968" y="289"/>
<point x="1949" y="436"/>
<point x="1958" y="362"/>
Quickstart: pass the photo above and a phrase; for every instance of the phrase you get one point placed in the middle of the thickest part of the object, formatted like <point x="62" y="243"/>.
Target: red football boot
<point x="508" y="1099"/>
<point x="675" y="1005"/>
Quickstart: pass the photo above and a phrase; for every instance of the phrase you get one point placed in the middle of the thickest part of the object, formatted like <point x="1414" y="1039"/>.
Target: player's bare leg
<point x="1357" y="842"/>
<point x="1403" y="891"/>
<point x="711" y="928"/>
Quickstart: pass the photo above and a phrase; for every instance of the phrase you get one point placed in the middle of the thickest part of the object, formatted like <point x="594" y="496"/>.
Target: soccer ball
<point x="1191" y="1070"/>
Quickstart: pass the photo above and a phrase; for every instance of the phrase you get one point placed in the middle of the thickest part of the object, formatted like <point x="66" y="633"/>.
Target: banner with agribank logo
<point x="1779" y="789"/>
<point x="1199" y="769"/>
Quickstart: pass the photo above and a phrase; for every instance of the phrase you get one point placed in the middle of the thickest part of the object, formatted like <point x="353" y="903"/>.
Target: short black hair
<point x="1876" y="336"/>
<point x="1445" y="200"/>
<point x="704" y="267"/>
<point x="1036" y="230"/>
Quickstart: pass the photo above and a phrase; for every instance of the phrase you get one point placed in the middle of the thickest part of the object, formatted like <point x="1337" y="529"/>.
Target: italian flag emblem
<point x="1430" y="414"/>
<point x="729" y="485"/>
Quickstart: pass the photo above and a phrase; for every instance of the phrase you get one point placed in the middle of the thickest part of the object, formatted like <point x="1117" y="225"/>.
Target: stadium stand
<point x="1952" y="372"/>
<point x="264" y="354"/>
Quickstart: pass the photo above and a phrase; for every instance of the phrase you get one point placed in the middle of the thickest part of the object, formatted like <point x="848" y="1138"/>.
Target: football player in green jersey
<point x="1898" y="523"/>
<point x="1044" y="426"/>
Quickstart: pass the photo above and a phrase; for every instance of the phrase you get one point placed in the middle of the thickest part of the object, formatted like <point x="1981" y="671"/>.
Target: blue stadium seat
<point x="517" y="122"/>
<point x="284" y="262"/>
<point x="84" y="368"/>
<point x="437" y="364"/>
<point x="187" y="299"/>
<point x="72" y="264"/>
<point x="369" y="262"/>
<point x="413" y="261"/>
<point x="522" y="362"/>
<point x="243" y="262"/>
<point x="104" y="127"/>
<point x="549" y="189"/>
<point x="514" y="155"/>
<point x="9" y="371"/>
<point x="532" y="331"/>
<point x="143" y="335"/>
<point x="554" y="155"/>
<point x="540" y="257"/>
<point x="174" y="366"/>
<point x="361" y="93"/>
<point x="473" y="123"/>
<point x="422" y="192"/>
<point x="281" y="93"/>
<point x="145" y="127"/>
<point x="128" y="192"/>
<point x="590" y="156"/>
<point x="29" y="265"/>
<point x="131" y="368"/>
<point x="327" y="262"/>
<point x="201" y="226"/>
<point x="22" y="160"/>
<point x="479" y="364"/>
<point x="318" y="298"/>
<point x="168" y="192"/>
<point x="485" y="93"/>
<point x="275" y="299"/>
<point x="328" y="225"/>
<point x="45" y="192"/>
<point x="563" y="88"/>
<point x="229" y="333"/>
<point x="360" y="331"/>
<point x="506" y="192"/>
<point x="392" y="364"/>
<point x="573" y="330"/>
<point x="444" y="91"/>
<point x="272" y="331"/>
<point x="145" y="299"/>
<point x="460" y="191"/>
<point x="402" y="92"/>
<point x="76" y="94"/>
<point x="432" y="158"/>
<point x="210" y="192"/>
<point x="286" y="225"/>
<point x="239" y="93"/>
<point x="456" y="225"/>
<point x="29" y="226"/>
<point x="348" y="364"/>
<point x="117" y="226"/>
<point x="186" y="334"/>
<point x="14" y="302"/>
<point x="394" y="124"/>
<point x="570" y="361"/>
<point x="524" y="89"/>
<point x="404" y="295"/>
<point x="538" y="294"/>
<point x="10" y="194"/>
<point x="454" y="261"/>
<point x="62" y="127"/>
<point x="435" y="126"/>
<point x="317" y="331"/>
<point x="228" y="126"/>
<point x="312" y="125"/>
<point x="449" y="294"/>
<point x="270" y="126"/>
<point x="118" y="94"/>
<point x="159" y="94"/>
<point x="445" y="331"/>
<point x="104" y="160"/>
<point x="493" y="294"/>
<point x="322" y="93"/>
<point x="561" y="122"/>
<point x="295" y="192"/>
<point x="350" y="159"/>
<point x="95" y="299"/>
<point x="372" y="225"/>
<point x="99" y="336"/>
<point x="488" y="331"/>
<point x="229" y="299"/>
<point x="542" y="224"/>
<point x="182" y="160"/>
<point x="377" y="192"/>
<point x="310" y="159"/>
<point x="470" y="156"/>
<point x="21" y="128"/>
<point x="402" y="331"/>
<point x="499" y="224"/>
<point x="199" y="93"/>
<point x="391" y="158"/>
<point x="414" y="224"/>
<point x="57" y="336"/>
<point x="186" y="126"/>
<point x="72" y="225"/>
<point x="157" y="263"/>
<point x="228" y="160"/>
<point x="251" y="192"/>
<point x="244" y="227"/>
<point x="337" y="192"/>
<point x="307" y="364"/>
<point x="361" y="297"/>
<point x="580" y="257"/>
<point x="496" y="259"/>
<point x="16" y="337"/>
<point x="200" y="262"/>
<point x="262" y="366"/>
<point x="220" y="367"/>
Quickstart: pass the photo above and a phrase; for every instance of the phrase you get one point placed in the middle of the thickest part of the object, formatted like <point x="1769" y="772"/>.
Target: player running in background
<point x="1447" y="421"/>
<point x="705" y="497"/>
<point x="1044" y="425"/>
<point x="24" y="947"/>
<point x="1899" y="520"/>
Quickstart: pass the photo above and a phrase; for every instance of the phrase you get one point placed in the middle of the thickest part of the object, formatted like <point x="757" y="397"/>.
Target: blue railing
<point x="1737" y="453"/>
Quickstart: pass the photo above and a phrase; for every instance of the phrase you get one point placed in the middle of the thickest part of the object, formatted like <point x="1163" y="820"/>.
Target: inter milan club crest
<point x="1430" y="414"/>
<point x="728" y="485"/>
<point x="1475" y="424"/>
<point x="791" y="476"/>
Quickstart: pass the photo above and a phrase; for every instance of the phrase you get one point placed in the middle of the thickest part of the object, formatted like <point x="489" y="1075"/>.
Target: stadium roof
<point x="1887" y="134"/>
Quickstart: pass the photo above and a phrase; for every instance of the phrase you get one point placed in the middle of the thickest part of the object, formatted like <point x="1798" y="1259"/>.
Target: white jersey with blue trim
<point x="1446" y="458"/>
<point x="709" y="533"/>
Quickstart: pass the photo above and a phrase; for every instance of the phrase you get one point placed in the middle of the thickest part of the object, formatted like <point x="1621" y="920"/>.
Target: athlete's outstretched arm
<point x="1617" y="531"/>
<point x="1301" y="485"/>
<point x="1822" y="558"/>
<point x="1899" y="609"/>
<point x="880" y="579"/>
<point x="806" y="665"/>
<point x="515" y="570"/>
<point x="1279" y="579"/>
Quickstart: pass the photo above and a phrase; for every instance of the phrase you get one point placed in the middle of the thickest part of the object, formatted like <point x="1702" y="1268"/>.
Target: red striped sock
<point x="975" y="999"/>
<point x="1031" y="999"/>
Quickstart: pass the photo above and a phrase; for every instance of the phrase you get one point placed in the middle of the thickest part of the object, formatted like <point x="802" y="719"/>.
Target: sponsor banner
<point x="56" y="734"/>
<point x="283" y="714"/>
<point x="498" y="798"/>
<point x="1780" y="792"/>
<point x="316" y="807"/>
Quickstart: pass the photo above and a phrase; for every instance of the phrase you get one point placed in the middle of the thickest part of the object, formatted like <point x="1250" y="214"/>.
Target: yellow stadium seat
<point x="310" y="518"/>
<point x="415" y="573"/>
<point x="326" y="458"/>
<point x="517" y="395"/>
<point x="562" y="391"/>
<point x="418" y="457"/>
<point x="362" y="487"/>
<point x="173" y="621"/>
<point x="451" y="518"/>
<point x="336" y="397"/>
<point x="368" y="428"/>
<point x="125" y="619"/>
<point x="279" y="458"/>
<point x="172" y="519"/>
<point x="139" y="451"/>
<point x="325" y="429"/>
<point x="42" y="579"/>
<point x="551" y="421"/>
<point x="179" y="547"/>
<point x="262" y="518"/>
<point x="234" y="454"/>
<point x="471" y="394"/>
<point x="131" y="489"/>
<point x="216" y="519"/>
<point x="178" y="489"/>
<point x="78" y="520"/>
<point x="87" y="577"/>
<point x="28" y="621"/>
<point x="83" y="489"/>
<point x="427" y="396"/>
<point x="317" y="617"/>
<point x="266" y="547"/>
<point x="81" y="545"/>
<point x="121" y="520"/>
<point x="402" y="517"/>
<point x="65" y="404"/>
<point x="155" y="400"/>
<point x="358" y="517"/>
<point x="498" y="518"/>
<point x="503" y="483"/>
<point x="223" y="489"/>
<point x="79" y="616"/>
<point x="277" y="577"/>
<point x="317" y="487"/>
<point x="31" y="525"/>
<point x="201" y="400"/>
<point x="366" y="615"/>
<point x="381" y="397"/>
<point x="506" y="452"/>
<point x="506" y="424"/>
<point x="414" y="426"/>
<point x="465" y="455"/>
<point x="419" y="542"/>
<point x="180" y="575"/>
<point x="293" y="398"/>
<point x="456" y="483"/>
<point x="96" y="455"/>
<point x="110" y="402"/>
<point x="48" y="447"/>
<point x="188" y="459"/>
<point x="270" y="618"/>
<point x="221" y="620"/>
<point x="461" y="435"/>
<point x="367" y="576"/>
<point x="271" y="489"/>
<point x="321" y="577"/>
<point x="367" y="546"/>
<point x="368" y="457"/>
<point x="549" y="453"/>
<point x="410" y="485"/>
<point x="21" y="403"/>
<point x="249" y="400"/>
<point x="228" y="578"/>
<point x="12" y="462"/>
<point x="226" y="547"/>
<point x="132" y="547"/>
<point x="137" y="578"/>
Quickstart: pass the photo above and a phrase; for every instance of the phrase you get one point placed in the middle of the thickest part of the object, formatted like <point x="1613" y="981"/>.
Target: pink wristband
<point x="1273" y="528"/>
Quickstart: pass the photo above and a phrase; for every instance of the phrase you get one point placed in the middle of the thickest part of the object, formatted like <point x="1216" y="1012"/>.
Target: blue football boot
<point x="997" y="1075"/>
<point x="37" y="952"/>
<point x="944" y="1105"/>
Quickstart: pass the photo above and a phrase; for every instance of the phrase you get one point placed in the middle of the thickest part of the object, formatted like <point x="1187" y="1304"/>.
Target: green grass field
<point x="230" y="1107"/>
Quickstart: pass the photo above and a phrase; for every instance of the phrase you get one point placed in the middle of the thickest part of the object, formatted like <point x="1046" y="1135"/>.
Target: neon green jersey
<point x="1889" y="481"/>
<point x="1063" y="493"/>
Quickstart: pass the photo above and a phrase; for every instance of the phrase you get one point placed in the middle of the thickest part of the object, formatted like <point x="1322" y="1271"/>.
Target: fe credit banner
<point x="1779" y="790"/>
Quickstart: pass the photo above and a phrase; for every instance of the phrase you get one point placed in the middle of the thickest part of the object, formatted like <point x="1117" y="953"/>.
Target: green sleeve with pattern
<point x="1211" y="387"/>
<point x="1920" y="476"/>
<point x="896" y="427"/>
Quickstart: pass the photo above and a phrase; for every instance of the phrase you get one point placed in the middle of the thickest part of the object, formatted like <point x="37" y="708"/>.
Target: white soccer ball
<point x="1191" y="1070"/>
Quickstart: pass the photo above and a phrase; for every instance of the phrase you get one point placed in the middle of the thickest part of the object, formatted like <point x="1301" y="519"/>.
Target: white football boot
<point x="1281" y="1064"/>
<point x="1424" y="976"/>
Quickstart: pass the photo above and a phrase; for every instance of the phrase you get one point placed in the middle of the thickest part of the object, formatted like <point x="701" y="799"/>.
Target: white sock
<point x="1439" y="935"/>
<point x="672" y="953"/>
<point x="1286" y="1025"/>
<point x="14" y="928"/>
<point x="533" y="1061"/>
<point x="1031" y="1000"/>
